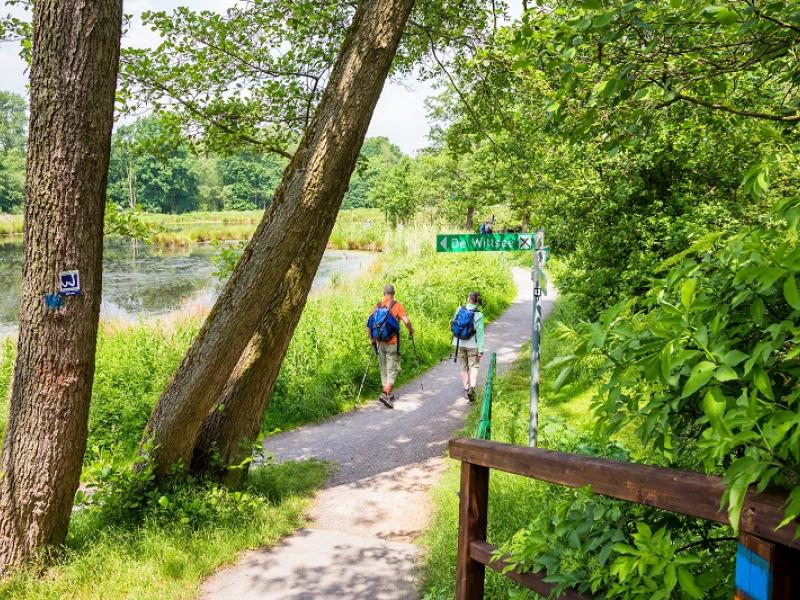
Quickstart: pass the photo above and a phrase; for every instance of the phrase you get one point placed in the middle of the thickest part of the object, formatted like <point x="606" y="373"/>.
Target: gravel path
<point x="363" y="523"/>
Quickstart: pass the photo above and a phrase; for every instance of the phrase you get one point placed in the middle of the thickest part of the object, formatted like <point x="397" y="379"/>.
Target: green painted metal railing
<point x="484" y="429"/>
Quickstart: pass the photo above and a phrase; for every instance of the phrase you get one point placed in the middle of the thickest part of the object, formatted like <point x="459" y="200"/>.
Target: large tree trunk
<point x="470" y="216"/>
<point x="273" y="277"/>
<point x="73" y="80"/>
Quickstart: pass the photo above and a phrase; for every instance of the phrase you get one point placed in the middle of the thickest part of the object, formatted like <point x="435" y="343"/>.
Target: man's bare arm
<point x="409" y="326"/>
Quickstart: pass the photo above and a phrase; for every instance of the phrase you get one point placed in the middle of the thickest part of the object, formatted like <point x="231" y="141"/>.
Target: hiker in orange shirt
<point x="383" y="329"/>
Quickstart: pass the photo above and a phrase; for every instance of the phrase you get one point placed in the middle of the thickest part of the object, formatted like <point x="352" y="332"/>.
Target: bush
<point x="706" y="367"/>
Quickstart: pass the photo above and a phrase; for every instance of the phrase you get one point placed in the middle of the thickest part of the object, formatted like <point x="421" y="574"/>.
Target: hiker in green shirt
<point x="468" y="333"/>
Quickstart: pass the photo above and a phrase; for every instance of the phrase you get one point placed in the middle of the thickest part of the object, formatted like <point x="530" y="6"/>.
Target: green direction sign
<point x="483" y="242"/>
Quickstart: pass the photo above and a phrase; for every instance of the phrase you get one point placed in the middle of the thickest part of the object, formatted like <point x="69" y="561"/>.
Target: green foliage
<point x="226" y="258"/>
<point x="126" y="222"/>
<point x="706" y="366"/>
<point x="7" y="355"/>
<point x="377" y="156"/>
<point x="13" y="121"/>
<point x="248" y="180"/>
<point x="595" y="544"/>
<point x="733" y="58"/>
<point x="150" y="170"/>
<point x="394" y="193"/>
<point x="252" y="76"/>
<point x="629" y="131"/>
<point x="134" y="363"/>
<point x="153" y="167"/>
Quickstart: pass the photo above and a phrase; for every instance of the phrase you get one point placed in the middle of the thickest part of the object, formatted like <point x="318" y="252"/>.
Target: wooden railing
<point x="768" y="558"/>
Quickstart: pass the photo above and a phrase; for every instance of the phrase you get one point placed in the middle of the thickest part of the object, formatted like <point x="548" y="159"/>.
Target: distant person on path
<point x="468" y="333"/>
<point x="383" y="328"/>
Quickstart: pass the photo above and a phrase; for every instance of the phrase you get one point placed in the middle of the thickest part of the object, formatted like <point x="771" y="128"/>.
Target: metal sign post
<point x="538" y="260"/>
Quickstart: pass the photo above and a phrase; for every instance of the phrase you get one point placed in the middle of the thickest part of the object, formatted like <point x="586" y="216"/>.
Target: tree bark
<point x="470" y="216"/>
<point x="73" y="81"/>
<point x="271" y="282"/>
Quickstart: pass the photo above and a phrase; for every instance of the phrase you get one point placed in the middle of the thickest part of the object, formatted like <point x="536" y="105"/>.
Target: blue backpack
<point x="382" y="324"/>
<point x="463" y="325"/>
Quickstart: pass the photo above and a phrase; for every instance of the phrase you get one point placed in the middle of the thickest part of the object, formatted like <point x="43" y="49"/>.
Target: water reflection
<point x="145" y="281"/>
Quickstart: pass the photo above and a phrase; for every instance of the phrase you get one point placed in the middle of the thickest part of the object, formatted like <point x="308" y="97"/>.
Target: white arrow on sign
<point x="443" y="243"/>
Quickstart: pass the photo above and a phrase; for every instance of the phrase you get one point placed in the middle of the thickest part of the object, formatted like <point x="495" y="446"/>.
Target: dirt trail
<point x="363" y="523"/>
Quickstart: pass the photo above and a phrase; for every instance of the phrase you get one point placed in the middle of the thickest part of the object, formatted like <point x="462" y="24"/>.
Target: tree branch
<point x="219" y="125"/>
<point x="795" y="118"/>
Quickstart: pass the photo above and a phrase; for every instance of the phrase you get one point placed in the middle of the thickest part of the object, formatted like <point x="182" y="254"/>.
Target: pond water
<point x="154" y="281"/>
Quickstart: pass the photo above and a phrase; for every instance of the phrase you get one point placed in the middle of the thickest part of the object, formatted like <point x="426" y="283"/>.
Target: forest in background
<point x="154" y="171"/>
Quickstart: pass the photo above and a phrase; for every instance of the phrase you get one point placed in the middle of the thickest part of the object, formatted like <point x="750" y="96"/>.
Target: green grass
<point x="163" y="558"/>
<point x="355" y="229"/>
<point x="10" y="224"/>
<point x="565" y="424"/>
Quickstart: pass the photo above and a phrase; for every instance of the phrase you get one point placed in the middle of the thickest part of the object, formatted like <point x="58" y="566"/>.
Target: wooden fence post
<point x="472" y="511"/>
<point x="765" y="570"/>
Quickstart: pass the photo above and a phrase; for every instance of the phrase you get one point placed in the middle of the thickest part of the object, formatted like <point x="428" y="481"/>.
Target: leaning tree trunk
<point x="73" y="80"/>
<point x="275" y="272"/>
<point x="229" y="432"/>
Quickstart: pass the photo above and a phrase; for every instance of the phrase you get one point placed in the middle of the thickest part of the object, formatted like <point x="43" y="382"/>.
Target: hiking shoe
<point x="467" y="394"/>
<point x="387" y="400"/>
<point x="471" y="395"/>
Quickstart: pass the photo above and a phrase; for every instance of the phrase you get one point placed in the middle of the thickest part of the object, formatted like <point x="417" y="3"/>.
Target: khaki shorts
<point x="389" y="362"/>
<point x="468" y="358"/>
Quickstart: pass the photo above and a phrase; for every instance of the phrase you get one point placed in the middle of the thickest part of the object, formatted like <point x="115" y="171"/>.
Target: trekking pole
<point x="416" y="358"/>
<point x="366" y="370"/>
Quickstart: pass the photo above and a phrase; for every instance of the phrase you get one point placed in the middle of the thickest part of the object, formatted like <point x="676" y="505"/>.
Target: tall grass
<point x="222" y="217"/>
<point x="329" y="351"/>
<point x="326" y="357"/>
<point x="187" y="234"/>
<point x="356" y="229"/>
<point x="10" y="224"/>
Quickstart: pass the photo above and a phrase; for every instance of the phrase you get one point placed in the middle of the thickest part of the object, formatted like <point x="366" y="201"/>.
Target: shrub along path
<point x="359" y="544"/>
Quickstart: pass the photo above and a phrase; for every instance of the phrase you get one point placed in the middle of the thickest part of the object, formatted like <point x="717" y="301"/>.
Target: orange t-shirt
<point x="398" y="312"/>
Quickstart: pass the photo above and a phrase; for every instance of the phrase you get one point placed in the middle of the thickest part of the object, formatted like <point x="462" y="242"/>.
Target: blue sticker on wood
<point x="753" y="575"/>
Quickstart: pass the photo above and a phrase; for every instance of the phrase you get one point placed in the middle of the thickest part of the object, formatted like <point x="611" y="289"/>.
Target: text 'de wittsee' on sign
<point x="483" y="242"/>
